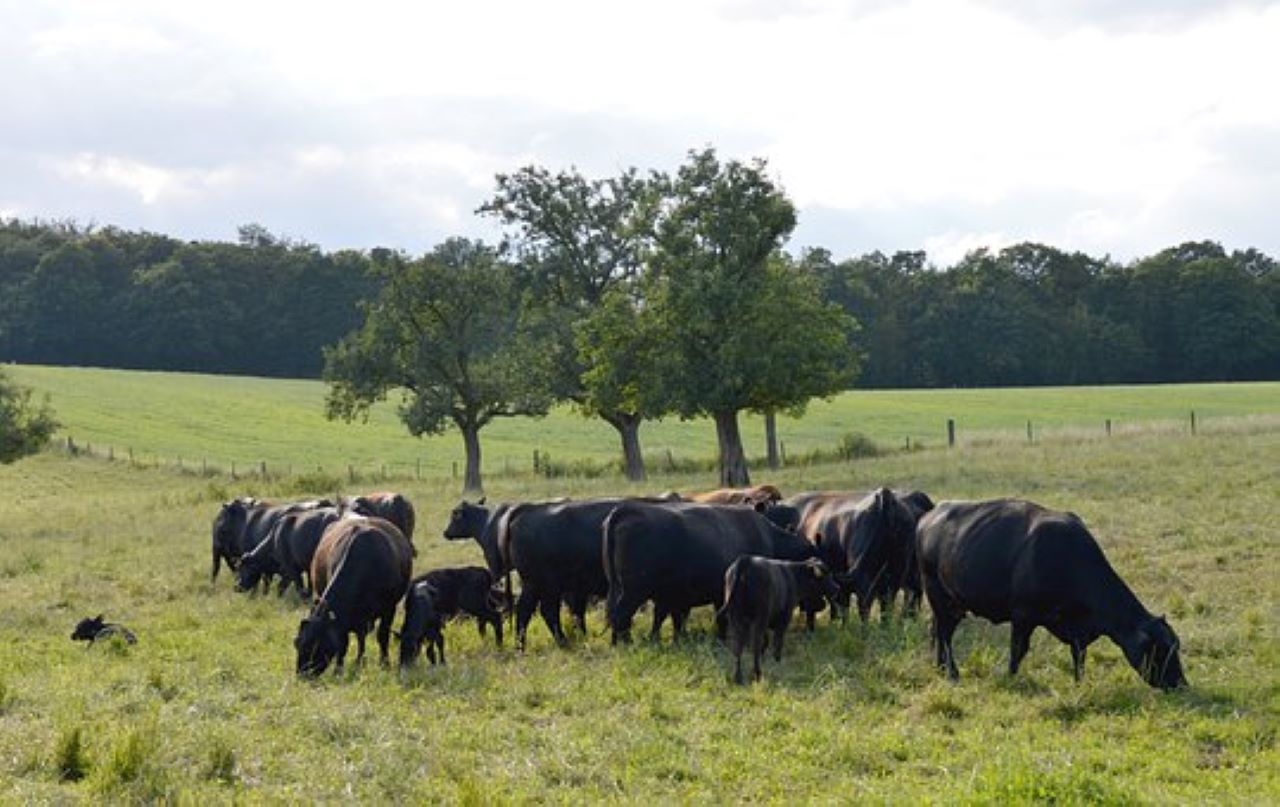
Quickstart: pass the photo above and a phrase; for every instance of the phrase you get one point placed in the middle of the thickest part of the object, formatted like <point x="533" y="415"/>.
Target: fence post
<point x="908" y="445"/>
<point x="417" y="468"/>
<point x="671" y="461"/>
<point x="204" y="466"/>
<point x="130" y="450"/>
<point x="951" y="433"/>
<point x="384" y="472"/>
<point x="455" y="469"/>
<point x="1108" y="427"/>
<point x="233" y="469"/>
<point x="1193" y="421"/>
<point x="179" y="463"/>
<point x="782" y="452"/>
<point x="535" y="461"/>
<point x="111" y="453"/>
<point x="1030" y="439"/>
<point x="351" y="473"/>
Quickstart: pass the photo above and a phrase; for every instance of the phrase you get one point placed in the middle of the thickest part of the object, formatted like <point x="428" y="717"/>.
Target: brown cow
<point x="760" y="496"/>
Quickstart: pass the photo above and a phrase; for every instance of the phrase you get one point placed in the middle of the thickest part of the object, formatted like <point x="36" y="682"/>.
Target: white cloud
<point x="893" y="125"/>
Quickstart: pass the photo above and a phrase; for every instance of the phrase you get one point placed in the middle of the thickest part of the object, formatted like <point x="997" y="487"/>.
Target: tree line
<point x="633" y="297"/>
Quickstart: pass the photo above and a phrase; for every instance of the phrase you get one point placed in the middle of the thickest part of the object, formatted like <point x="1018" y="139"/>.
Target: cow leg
<point x="431" y="653"/>
<point x="496" y="619"/>
<point x="1019" y="642"/>
<point x="620" y="616"/>
<point x="738" y="636"/>
<point x="526" y="604"/>
<point x="679" y="618"/>
<point x="660" y="613"/>
<point x="946" y="616"/>
<point x="758" y="639"/>
<point x="810" y="620"/>
<point x="1078" y="650"/>
<point x="778" y="633"/>
<point x="578" y="607"/>
<point x="549" y="606"/>
<point x="440" y="645"/>
<point x="360" y="637"/>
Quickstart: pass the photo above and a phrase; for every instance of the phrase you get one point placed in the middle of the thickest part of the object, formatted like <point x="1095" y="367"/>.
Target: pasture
<point x="221" y="420"/>
<point x="206" y="708"/>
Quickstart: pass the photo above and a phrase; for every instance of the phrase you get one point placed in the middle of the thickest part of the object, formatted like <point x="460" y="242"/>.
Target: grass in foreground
<point x="205" y="707"/>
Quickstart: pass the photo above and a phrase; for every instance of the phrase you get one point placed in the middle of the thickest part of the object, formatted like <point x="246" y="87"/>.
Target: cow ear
<point x="98" y="618"/>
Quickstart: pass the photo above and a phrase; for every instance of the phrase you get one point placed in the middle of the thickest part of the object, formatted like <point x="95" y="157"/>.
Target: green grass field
<point x="221" y="420"/>
<point x="206" y="707"/>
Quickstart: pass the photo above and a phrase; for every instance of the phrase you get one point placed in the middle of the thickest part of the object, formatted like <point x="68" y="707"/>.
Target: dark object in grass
<point x="91" y="630"/>
<point x="443" y="594"/>
<point x="1014" y="561"/>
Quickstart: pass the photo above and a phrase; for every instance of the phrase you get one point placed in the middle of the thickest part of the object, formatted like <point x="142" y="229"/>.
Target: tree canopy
<point x="25" y="425"/>
<point x="445" y="331"/>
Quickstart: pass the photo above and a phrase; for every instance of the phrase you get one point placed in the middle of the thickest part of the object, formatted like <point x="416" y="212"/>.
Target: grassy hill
<point x="222" y="420"/>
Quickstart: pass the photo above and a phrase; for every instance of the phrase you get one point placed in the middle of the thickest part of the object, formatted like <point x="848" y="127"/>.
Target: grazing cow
<point x="362" y="568"/>
<point x="762" y="496"/>
<point x="868" y="541"/>
<point x="761" y="594"/>
<point x="287" y="550"/>
<point x="677" y="554"/>
<point x="421" y="622"/>
<point x="91" y="630"/>
<point x="465" y="590"/>
<point x="394" y="507"/>
<point x="1014" y="561"/>
<point x="555" y="546"/>
<point x="244" y="523"/>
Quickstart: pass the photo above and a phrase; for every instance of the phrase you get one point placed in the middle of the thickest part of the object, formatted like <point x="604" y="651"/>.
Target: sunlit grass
<point x="206" y="708"/>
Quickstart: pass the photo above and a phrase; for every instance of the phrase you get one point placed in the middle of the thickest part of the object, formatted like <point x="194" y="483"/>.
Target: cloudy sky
<point x="1109" y="127"/>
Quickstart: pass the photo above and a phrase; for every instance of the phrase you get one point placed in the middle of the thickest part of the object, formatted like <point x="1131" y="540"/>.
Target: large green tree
<point x="446" y="331"/>
<point x="742" y="331"/>
<point x="582" y="243"/>
<point x="25" y="426"/>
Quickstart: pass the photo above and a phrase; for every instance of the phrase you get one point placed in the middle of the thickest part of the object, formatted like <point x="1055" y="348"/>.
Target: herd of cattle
<point x="753" y="555"/>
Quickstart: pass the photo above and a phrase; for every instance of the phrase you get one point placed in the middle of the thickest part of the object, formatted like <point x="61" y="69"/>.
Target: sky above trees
<point x="1110" y="128"/>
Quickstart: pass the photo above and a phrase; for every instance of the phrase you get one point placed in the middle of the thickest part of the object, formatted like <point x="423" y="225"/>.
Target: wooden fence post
<point x="1030" y="439"/>
<point x="1108" y="427"/>
<point x="951" y="433"/>
<point x="417" y="468"/>
<point x="351" y="473"/>
<point x="1193" y="421"/>
<point x="455" y="469"/>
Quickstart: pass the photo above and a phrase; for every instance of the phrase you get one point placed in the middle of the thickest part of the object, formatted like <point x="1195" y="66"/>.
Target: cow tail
<point x="611" y="575"/>
<point x="503" y="539"/>
<point x="735" y="592"/>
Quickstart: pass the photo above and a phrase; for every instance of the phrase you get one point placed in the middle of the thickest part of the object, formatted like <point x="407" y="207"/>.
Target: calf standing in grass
<point x="761" y="594"/>
<point x="443" y="594"/>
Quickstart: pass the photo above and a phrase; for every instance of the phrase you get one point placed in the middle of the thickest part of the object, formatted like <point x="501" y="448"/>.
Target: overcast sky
<point x="1109" y="127"/>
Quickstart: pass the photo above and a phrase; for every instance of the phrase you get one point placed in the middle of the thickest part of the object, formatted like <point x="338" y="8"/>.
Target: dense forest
<point x="1026" y="315"/>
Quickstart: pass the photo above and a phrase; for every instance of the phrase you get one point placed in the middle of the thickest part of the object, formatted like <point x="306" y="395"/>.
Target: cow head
<point x="421" y="622"/>
<point x="88" y="629"/>
<point x="319" y="640"/>
<point x="467" y="521"/>
<point x="1154" y="654"/>
<point x="880" y="522"/>
<point x="228" y="526"/>
<point x="249" y="572"/>
<point x="816" y="587"/>
<point x="784" y="515"/>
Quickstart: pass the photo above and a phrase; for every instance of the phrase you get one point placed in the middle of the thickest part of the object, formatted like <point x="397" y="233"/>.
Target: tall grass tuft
<point x="69" y="758"/>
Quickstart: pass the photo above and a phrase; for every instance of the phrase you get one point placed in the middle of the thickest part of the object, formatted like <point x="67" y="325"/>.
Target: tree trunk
<point x="771" y="438"/>
<point x="733" y="460"/>
<point x="471" y="481"/>
<point x="628" y="427"/>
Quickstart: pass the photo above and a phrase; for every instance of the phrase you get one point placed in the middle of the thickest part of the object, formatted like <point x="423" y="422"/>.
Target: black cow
<point x="677" y="554"/>
<point x="421" y="622"/>
<point x="1015" y="561"/>
<point x="362" y="569"/>
<point x="465" y="590"/>
<point x="244" y="523"/>
<point x="761" y="594"/>
<point x="287" y="550"/>
<point x="868" y="540"/>
<point x="92" y="629"/>
<point x="481" y="523"/>
<point x="556" y="548"/>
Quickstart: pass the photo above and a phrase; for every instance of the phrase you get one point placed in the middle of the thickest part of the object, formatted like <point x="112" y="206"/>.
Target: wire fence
<point x="848" y="447"/>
